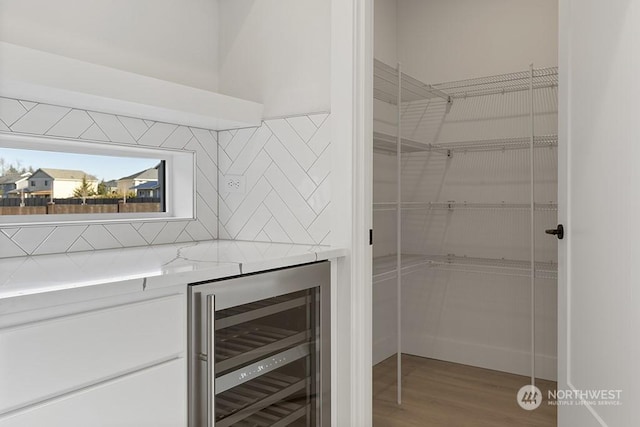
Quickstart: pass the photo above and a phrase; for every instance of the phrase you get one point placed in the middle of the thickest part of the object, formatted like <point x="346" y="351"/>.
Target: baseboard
<point x="482" y="356"/>
<point x="383" y="348"/>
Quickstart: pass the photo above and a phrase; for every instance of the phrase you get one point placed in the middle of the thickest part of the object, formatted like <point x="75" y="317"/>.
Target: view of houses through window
<point x="34" y="182"/>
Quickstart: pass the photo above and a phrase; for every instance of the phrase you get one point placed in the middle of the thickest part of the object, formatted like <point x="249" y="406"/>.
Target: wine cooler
<point x="260" y="349"/>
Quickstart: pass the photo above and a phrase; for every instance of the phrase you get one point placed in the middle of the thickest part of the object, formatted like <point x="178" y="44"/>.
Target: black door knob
<point x="558" y="232"/>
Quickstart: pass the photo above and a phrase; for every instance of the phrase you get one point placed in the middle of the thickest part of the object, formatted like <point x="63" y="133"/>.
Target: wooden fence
<point x="139" y="205"/>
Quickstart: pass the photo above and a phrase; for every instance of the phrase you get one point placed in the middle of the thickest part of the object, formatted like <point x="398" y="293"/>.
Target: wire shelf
<point x="385" y="206"/>
<point x="453" y="205"/>
<point x="508" y="267"/>
<point x="502" y="83"/>
<point x="514" y="143"/>
<point x="386" y="143"/>
<point x="385" y="86"/>
<point x="384" y="268"/>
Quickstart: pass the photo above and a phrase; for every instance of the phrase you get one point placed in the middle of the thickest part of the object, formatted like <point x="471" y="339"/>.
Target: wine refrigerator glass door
<point x="270" y="364"/>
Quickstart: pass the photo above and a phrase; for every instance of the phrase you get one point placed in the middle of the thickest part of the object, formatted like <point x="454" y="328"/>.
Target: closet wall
<point x="475" y="317"/>
<point x="442" y="40"/>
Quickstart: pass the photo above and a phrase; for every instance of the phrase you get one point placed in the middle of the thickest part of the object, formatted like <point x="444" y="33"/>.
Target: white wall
<point x="174" y="40"/>
<point x="277" y="52"/>
<point x="386" y="30"/>
<point x="444" y="40"/>
<point x="385" y="117"/>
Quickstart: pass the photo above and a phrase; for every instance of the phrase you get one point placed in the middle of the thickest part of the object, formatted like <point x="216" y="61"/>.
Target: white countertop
<point x="152" y="267"/>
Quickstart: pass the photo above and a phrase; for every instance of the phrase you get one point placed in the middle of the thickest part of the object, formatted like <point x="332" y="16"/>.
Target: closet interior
<point x="465" y="184"/>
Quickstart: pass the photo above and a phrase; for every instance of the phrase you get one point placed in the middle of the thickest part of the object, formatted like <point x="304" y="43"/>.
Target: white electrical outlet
<point x="233" y="184"/>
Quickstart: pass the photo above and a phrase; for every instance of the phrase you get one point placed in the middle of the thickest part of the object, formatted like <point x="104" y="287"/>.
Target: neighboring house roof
<point x="111" y="184"/>
<point x="150" y="174"/>
<point x="14" y="178"/>
<point x="67" y="174"/>
<point x="151" y="185"/>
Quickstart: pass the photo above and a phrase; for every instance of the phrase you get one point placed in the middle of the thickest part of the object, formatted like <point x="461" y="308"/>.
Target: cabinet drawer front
<point x="47" y="358"/>
<point x="154" y="397"/>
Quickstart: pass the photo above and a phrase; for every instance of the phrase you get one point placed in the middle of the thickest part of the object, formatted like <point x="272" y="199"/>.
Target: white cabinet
<point x="118" y="361"/>
<point x="152" y="397"/>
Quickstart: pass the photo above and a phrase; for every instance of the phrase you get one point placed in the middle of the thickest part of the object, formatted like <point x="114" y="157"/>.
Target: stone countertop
<point x="152" y="267"/>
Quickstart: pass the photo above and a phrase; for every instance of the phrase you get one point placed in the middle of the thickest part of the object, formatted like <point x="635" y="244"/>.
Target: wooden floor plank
<point x="444" y="394"/>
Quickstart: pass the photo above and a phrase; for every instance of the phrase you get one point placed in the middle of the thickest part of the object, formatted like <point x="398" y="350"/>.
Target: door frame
<point x="351" y="108"/>
<point x="352" y="182"/>
<point x="564" y="64"/>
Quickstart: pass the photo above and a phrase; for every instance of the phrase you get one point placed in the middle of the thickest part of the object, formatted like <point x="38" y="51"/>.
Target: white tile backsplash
<point x="100" y="238"/>
<point x="136" y="127"/>
<point x="292" y="169"/>
<point x="9" y="232"/>
<point x="179" y="138"/>
<point x="320" y="197"/>
<point x="29" y="238"/>
<point x="40" y="119"/>
<point x="320" y="140"/>
<point x="170" y="232"/>
<point x="290" y="195"/>
<point x="150" y="231"/>
<point x="126" y="235"/>
<point x="80" y="245"/>
<point x="72" y="125"/>
<point x="303" y="126"/>
<point x="286" y="167"/>
<point x="288" y="137"/>
<point x="157" y="134"/>
<point x="60" y="237"/>
<point x="94" y="133"/>
<point x="285" y="218"/>
<point x="321" y="168"/>
<point x="10" y="111"/>
<point x="285" y="163"/>
<point x="28" y="105"/>
<point x="112" y="127"/>
<point x="8" y="248"/>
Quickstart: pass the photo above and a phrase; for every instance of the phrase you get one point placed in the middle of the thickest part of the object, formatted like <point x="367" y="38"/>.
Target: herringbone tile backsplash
<point x="285" y="165"/>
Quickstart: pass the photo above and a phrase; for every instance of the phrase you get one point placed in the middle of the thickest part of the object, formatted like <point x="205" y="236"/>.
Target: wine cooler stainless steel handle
<point x="211" y="360"/>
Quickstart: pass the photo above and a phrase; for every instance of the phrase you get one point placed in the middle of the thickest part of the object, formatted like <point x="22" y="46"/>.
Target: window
<point x="78" y="181"/>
